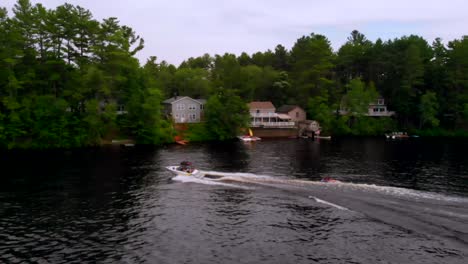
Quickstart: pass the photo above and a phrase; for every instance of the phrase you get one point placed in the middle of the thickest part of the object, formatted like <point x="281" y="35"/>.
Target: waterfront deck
<point x="273" y="124"/>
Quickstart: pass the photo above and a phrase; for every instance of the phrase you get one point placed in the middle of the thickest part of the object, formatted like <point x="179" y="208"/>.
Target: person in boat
<point x="328" y="179"/>
<point x="185" y="166"/>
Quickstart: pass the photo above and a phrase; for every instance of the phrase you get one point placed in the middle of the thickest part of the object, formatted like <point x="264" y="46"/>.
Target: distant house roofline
<point x="261" y="105"/>
<point x="178" y="98"/>
<point x="287" y="108"/>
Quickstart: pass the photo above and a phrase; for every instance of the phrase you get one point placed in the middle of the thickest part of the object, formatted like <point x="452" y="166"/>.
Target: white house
<point x="263" y="114"/>
<point x="184" y="109"/>
<point x="375" y="109"/>
<point x="378" y="108"/>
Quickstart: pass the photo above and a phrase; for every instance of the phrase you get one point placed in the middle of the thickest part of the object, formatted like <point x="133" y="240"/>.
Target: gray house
<point x="184" y="109"/>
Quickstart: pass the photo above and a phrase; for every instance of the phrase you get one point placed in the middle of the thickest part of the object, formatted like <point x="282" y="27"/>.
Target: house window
<point x="177" y="116"/>
<point x="192" y="107"/>
<point x="182" y="115"/>
<point x="381" y="109"/>
<point x="201" y="107"/>
<point x="193" y="117"/>
<point x="258" y="111"/>
<point x="380" y="101"/>
<point x="297" y="114"/>
<point x="121" y="109"/>
<point x="180" y="107"/>
<point x="375" y="109"/>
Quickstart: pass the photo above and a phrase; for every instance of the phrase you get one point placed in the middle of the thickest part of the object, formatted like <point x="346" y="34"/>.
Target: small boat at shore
<point x="182" y="142"/>
<point x="397" y="135"/>
<point x="317" y="135"/>
<point x="248" y="138"/>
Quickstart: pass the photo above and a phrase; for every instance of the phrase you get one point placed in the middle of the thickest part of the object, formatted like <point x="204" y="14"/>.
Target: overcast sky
<point x="175" y="30"/>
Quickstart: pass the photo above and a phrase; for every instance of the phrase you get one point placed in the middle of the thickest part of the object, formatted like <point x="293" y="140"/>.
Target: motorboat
<point x="396" y="135"/>
<point x="329" y="180"/>
<point x="185" y="169"/>
<point x="318" y="136"/>
<point x="249" y="137"/>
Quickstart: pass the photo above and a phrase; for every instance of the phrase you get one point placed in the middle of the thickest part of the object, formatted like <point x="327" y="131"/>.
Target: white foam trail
<point x="236" y="174"/>
<point x="403" y="192"/>
<point x="265" y="179"/>
<point x="328" y="203"/>
<point x="180" y="178"/>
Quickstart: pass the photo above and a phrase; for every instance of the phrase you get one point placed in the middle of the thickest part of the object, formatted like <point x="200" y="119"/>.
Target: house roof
<point x="308" y="122"/>
<point x="172" y="99"/>
<point x="261" y="105"/>
<point x="178" y="98"/>
<point x="286" y="108"/>
<point x="284" y="116"/>
<point x="376" y="102"/>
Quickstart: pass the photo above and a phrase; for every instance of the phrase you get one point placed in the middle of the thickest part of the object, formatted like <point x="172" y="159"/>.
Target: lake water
<point x="399" y="202"/>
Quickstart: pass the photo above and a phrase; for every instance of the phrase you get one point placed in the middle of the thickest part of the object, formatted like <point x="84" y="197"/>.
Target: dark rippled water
<point x="400" y="202"/>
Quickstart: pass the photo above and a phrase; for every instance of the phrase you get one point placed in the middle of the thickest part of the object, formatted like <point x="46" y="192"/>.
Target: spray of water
<point x="250" y="180"/>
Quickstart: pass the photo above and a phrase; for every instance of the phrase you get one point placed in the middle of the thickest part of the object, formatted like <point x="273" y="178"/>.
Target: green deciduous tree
<point x="193" y="82"/>
<point x="429" y="107"/>
<point x="226" y="114"/>
<point x="358" y="98"/>
<point x="318" y="109"/>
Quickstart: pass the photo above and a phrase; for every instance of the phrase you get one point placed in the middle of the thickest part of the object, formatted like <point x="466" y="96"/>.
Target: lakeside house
<point x="378" y="108"/>
<point x="309" y="128"/>
<point x="296" y="113"/>
<point x="375" y="109"/>
<point x="263" y="114"/>
<point x="184" y="109"/>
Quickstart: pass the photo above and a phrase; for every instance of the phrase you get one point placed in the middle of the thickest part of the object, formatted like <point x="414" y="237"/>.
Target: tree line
<point x="64" y="75"/>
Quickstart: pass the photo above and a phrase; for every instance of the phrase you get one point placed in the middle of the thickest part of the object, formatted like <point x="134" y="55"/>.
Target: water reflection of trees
<point x="227" y="156"/>
<point x="422" y="164"/>
<point x="308" y="158"/>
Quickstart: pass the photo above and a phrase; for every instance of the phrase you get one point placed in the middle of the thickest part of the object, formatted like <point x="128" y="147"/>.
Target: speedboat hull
<point x="174" y="169"/>
<point x="249" y="138"/>
<point x="396" y="135"/>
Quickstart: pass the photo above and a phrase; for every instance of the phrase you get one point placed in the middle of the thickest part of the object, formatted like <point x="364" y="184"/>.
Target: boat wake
<point x="238" y="180"/>
<point x="202" y="180"/>
<point x="404" y="192"/>
<point x="328" y="203"/>
<point x="433" y="214"/>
